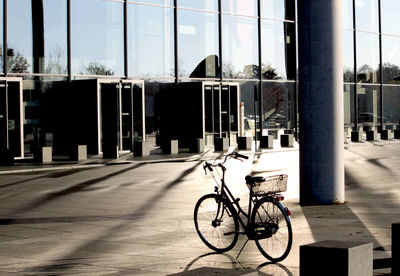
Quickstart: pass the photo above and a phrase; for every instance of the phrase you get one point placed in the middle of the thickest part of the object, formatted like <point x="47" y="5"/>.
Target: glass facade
<point x="197" y="41"/>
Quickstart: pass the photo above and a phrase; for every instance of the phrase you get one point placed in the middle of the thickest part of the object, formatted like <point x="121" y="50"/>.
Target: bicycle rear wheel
<point x="216" y="223"/>
<point x="272" y="229"/>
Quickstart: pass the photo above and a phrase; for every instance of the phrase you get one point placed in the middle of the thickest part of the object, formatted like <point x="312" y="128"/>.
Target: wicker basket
<point x="272" y="184"/>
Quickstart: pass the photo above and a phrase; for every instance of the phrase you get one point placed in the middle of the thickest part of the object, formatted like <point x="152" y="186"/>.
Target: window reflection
<point x="391" y="100"/>
<point x="97" y="37"/>
<point x="278" y="9"/>
<point x="390" y="16"/>
<point x="368" y="97"/>
<point x="158" y="2"/>
<point x="19" y="36"/>
<point x="198" y="44"/>
<point x="208" y="5"/>
<point x="279" y="50"/>
<point x="367" y="15"/>
<point x="150" y="41"/>
<point x="240" y="7"/>
<point x="348" y="56"/>
<point x="347" y="14"/>
<point x="367" y="57"/>
<point x="348" y="100"/>
<point x="391" y="59"/>
<point x="240" y="43"/>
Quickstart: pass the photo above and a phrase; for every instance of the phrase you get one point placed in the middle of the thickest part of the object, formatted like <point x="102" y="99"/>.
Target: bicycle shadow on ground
<point x="211" y="264"/>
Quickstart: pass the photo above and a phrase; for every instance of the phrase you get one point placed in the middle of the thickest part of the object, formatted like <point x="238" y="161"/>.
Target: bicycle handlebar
<point x="235" y="155"/>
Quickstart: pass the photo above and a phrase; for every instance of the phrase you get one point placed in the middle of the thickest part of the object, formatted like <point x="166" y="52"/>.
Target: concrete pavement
<point x="135" y="217"/>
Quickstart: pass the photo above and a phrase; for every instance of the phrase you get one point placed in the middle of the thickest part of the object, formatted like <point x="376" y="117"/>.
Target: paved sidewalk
<point x="135" y="217"/>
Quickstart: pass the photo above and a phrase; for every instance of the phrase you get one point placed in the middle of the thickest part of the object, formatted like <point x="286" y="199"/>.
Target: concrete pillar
<point x="321" y="113"/>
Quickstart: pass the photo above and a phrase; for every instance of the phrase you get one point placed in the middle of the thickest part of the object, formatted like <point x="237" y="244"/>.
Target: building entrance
<point x="11" y="117"/>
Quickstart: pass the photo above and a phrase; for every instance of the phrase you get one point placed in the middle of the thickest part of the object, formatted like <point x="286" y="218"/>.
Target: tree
<point x="95" y="68"/>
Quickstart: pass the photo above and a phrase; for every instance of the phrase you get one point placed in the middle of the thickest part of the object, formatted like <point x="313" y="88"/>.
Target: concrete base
<point x="197" y="146"/>
<point x="79" y="153"/>
<point x="267" y="142"/>
<point x="396" y="248"/>
<point x="287" y="140"/>
<point x="397" y="134"/>
<point x="44" y="155"/>
<point x="356" y="136"/>
<point x="372" y="135"/>
<point x="385" y="134"/>
<point x="221" y="144"/>
<point x="141" y="149"/>
<point x="245" y="142"/>
<point x="110" y="152"/>
<point x="170" y="147"/>
<point x="336" y="258"/>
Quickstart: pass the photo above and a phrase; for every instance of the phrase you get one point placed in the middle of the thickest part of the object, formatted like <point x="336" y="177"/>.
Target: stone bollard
<point x="44" y="155"/>
<point x="79" y="153"/>
<point x="385" y="134"/>
<point x="141" y="149"/>
<point x="170" y="147"/>
<point x="221" y="144"/>
<point x="245" y="142"/>
<point x="397" y="134"/>
<point x="286" y="140"/>
<point x="344" y="258"/>
<point x="371" y="135"/>
<point x="356" y="136"/>
<point x="197" y="145"/>
<point x="396" y="248"/>
<point x="267" y="142"/>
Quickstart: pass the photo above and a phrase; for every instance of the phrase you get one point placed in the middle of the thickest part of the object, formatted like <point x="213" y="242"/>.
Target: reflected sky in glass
<point x="276" y="9"/>
<point x="240" y="7"/>
<point x="19" y="32"/>
<point x="208" y="5"/>
<point x="158" y="2"/>
<point x="240" y="44"/>
<point x="390" y="16"/>
<point x="367" y="15"/>
<point x="150" y="41"/>
<point x="367" y="57"/>
<point x="390" y="57"/>
<point x="347" y="14"/>
<point x="348" y="56"/>
<point x="198" y="39"/>
<point x="97" y="37"/>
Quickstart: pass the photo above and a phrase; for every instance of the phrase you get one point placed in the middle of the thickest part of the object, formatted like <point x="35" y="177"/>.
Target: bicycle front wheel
<point x="272" y="229"/>
<point x="216" y="222"/>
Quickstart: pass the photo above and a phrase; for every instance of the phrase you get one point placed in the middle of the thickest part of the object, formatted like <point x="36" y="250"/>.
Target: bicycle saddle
<point x="254" y="179"/>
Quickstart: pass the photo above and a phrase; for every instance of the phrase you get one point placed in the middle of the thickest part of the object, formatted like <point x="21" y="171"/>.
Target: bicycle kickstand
<point x="242" y="249"/>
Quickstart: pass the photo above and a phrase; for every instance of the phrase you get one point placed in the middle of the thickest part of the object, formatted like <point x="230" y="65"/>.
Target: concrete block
<point x="6" y="157"/>
<point x="197" y="145"/>
<point x="385" y="134"/>
<point x="287" y="140"/>
<point x="267" y="142"/>
<point x="44" y="155"/>
<point x="397" y="134"/>
<point x="79" y="153"/>
<point x="170" y="147"/>
<point x="356" y="136"/>
<point x="141" y="149"/>
<point x="336" y="258"/>
<point x="221" y="144"/>
<point x="396" y="248"/>
<point x="372" y="135"/>
<point x="245" y="142"/>
<point x="110" y="152"/>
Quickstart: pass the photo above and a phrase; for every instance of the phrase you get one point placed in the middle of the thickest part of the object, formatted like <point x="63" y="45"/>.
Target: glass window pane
<point x="348" y="56"/>
<point x="367" y="57"/>
<point x="391" y="59"/>
<point x="97" y="37"/>
<point x="391" y="102"/>
<point x="367" y="15"/>
<point x="198" y="44"/>
<point x="278" y="50"/>
<point x="390" y="16"/>
<point x="368" y="105"/>
<point x="348" y="100"/>
<point x="158" y="2"/>
<point x="208" y="5"/>
<point x="240" y="44"/>
<point x="240" y="7"/>
<point x="19" y="36"/>
<point x="55" y="35"/>
<point x="150" y="41"/>
<point x="278" y="106"/>
<point x="1" y="38"/>
<point x="347" y="14"/>
<point x="278" y="9"/>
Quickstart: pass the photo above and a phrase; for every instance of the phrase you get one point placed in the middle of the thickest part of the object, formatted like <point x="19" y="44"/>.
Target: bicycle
<point x="217" y="215"/>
